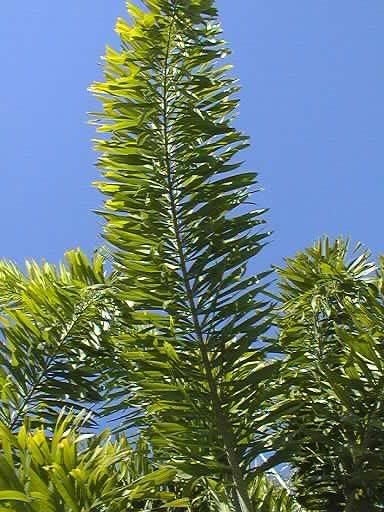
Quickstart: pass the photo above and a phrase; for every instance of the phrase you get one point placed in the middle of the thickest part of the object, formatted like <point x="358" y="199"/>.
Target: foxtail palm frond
<point x="332" y="333"/>
<point x="53" y="325"/>
<point x="179" y="216"/>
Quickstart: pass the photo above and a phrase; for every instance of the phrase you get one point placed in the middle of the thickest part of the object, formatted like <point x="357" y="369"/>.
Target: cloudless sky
<point x="312" y="100"/>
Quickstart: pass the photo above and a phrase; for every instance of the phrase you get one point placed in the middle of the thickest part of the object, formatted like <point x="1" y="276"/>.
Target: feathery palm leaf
<point x="53" y="322"/>
<point x="332" y="332"/>
<point x="179" y="220"/>
<point x="69" y="471"/>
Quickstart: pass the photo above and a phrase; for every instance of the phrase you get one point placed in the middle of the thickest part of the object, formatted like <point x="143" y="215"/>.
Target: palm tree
<point x="331" y="331"/>
<point x="171" y="342"/>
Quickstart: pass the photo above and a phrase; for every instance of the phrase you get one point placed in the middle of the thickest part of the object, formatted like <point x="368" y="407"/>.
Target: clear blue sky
<point x="312" y="100"/>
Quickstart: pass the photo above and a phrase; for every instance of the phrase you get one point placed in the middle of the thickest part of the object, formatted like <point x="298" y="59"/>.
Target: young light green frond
<point x="66" y="471"/>
<point x="177" y="216"/>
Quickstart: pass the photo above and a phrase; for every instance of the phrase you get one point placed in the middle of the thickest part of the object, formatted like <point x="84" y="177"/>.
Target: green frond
<point x="53" y="323"/>
<point x="178" y="218"/>
<point x="331" y="330"/>
<point x="67" y="471"/>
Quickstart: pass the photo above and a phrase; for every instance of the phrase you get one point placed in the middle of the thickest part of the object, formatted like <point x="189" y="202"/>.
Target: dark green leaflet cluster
<point x="178" y="218"/>
<point x="332" y="332"/>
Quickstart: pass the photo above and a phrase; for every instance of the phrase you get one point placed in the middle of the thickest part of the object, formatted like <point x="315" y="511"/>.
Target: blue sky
<point x="312" y="101"/>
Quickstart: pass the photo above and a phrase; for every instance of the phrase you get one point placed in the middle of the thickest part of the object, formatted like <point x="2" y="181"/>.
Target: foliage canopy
<point x="172" y="342"/>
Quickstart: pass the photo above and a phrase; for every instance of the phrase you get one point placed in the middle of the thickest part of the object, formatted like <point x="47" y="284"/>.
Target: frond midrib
<point x="222" y="424"/>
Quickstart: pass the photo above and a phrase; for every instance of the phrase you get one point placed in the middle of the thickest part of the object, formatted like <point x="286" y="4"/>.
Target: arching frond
<point x="53" y="322"/>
